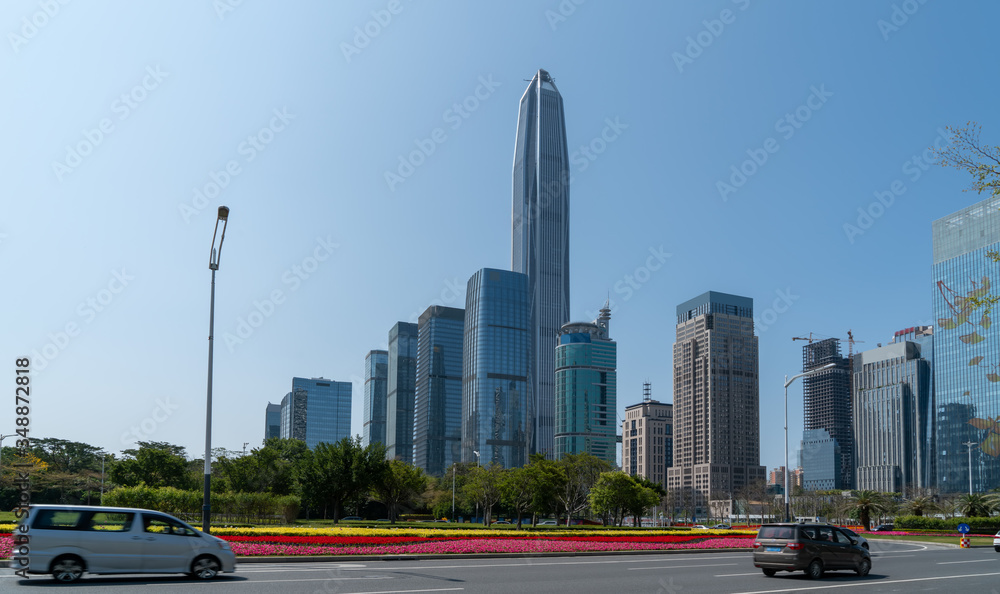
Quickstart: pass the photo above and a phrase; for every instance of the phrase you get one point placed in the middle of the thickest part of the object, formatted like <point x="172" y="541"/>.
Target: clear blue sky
<point x="116" y="113"/>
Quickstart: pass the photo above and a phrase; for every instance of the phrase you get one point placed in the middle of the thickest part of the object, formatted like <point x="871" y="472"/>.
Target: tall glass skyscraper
<point x="400" y="390"/>
<point x="376" y="378"/>
<point x="496" y="417"/>
<point x="272" y="421"/>
<point x="966" y="348"/>
<point x="826" y="399"/>
<point x="586" y="390"/>
<point x="316" y="410"/>
<point x="540" y="238"/>
<point x="437" y="408"/>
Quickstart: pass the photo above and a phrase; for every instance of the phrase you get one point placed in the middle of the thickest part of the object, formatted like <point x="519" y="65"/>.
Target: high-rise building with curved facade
<point x="540" y="239"/>
<point x="496" y="416"/>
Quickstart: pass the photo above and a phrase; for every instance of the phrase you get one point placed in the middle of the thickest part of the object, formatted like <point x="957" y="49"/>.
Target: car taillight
<point x="756" y="544"/>
<point x="794" y="545"/>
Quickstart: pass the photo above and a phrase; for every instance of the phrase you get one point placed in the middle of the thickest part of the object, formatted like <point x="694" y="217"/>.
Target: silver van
<point x="68" y="540"/>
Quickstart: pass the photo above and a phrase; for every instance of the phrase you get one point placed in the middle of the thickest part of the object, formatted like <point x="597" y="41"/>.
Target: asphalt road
<point x="896" y="567"/>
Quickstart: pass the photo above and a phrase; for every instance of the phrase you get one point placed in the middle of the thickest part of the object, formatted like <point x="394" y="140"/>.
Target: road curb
<point x="438" y="557"/>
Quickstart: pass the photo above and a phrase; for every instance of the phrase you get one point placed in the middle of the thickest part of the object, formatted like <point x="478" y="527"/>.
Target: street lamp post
<point x="476" y="452"/>
<point x="970" y="445"/>
<point x="213" y="265"/>
<point x="453" y="466"/>
<point x="788" y="382"/>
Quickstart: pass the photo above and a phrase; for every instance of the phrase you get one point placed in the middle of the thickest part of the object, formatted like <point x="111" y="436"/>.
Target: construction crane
<point x="850" y="349"/>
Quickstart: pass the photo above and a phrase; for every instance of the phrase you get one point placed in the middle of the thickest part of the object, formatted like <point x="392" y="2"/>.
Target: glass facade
<point x="540" y="238"/>
<point x="400" y="391"/>
<point x="316" y="410"/>
<point x="586" y="389"/>
<point x="437" y="416"/>
<point x="893" y="416"/>
<point x="376" y="380"/>
<point x="496" y="412"/>
<point x="272" y="421"/>
<point x="826" y="399"/>
<point x="821" y="454"/>
<point x="966" y="349"/>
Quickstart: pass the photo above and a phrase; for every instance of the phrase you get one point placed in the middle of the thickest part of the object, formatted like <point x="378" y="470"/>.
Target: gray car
<point x="813" y="548"/>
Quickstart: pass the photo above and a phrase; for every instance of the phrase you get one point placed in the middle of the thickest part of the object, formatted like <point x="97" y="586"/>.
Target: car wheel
<point x="864" y="566"/>
<point x="997" y="549"/>
<point x="67" y="569"/>
<point x="769" y="572"/>
<point x="815" y="570"/>
<point x="205" y="568"/>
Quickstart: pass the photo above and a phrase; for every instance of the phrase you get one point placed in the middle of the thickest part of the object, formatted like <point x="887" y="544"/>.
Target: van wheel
<point x="815" y="570"/>
<point x="205" y="568"/>
<point x="864" y="566"/>
<point x="67" y="569"/>
<point x="770" y="572"/>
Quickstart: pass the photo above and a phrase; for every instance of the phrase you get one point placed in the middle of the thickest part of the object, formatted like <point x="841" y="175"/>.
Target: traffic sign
<point x="964" y="528"/>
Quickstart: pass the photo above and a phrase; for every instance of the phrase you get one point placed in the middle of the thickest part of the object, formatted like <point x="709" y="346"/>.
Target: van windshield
<point x="785" y="532"/>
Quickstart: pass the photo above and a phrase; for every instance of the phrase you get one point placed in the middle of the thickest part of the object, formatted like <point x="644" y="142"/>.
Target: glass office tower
<point x="496" y="417"/>
<point x="540" y="238"/>
<point x="400" y="390"/>
<point x="586" y="389"/>
<point x="437" y="408"/>
<point x="272" y="421"/>
<point x="966" y="349"/>
<point x="376" y="380"/>
<point x="826" y="397"/>
<point x="316" y="410"/>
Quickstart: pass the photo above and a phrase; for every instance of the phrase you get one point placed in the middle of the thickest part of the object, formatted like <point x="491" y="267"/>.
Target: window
<point x="165" y="525"/>
<point x="111" y="522"/>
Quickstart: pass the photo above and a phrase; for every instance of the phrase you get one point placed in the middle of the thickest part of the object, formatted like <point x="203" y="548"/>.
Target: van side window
<point x="57" y="519"/>
<point x="164" y="525"/>
<point x="110" y="522"/>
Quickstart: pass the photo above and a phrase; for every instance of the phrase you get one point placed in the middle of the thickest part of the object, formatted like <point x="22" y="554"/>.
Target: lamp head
<point x="223" y="213"/>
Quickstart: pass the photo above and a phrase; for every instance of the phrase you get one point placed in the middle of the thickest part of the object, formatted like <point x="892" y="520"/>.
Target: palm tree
<point x="918" y="505"/>
<point x="975" y="505"/>
<point x="865" y="504"/>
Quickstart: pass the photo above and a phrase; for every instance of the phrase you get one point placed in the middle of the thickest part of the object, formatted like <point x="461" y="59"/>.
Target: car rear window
<point x="62" y="519"/>
<point x="57" y="519"/>
<point x="786" y="532"/>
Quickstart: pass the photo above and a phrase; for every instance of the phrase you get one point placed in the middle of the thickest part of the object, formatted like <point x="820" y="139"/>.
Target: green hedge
<point x="978" y="525"/>
<point x="246" y="507"/>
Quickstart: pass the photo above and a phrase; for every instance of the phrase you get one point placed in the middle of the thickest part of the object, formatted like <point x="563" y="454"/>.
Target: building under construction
<point x="827" y="407"/>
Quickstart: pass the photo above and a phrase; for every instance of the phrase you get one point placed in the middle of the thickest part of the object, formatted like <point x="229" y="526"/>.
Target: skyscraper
<point x="586" y="389"/>
<point x="316" y="410"/>
<point x="894" y="414"/>
<point x="496" y="418"/>
<point x="648" y="439"/>
<point x="437" y="408"/>
<point x="540" y="238"/>
<point x="966" y="341"/>
<point x="376" y="379"/>
<point x="716" y="402"/>
<point x="400" y="390"/>
<point x="272" y="421"/>
<point x="827" y="405"/>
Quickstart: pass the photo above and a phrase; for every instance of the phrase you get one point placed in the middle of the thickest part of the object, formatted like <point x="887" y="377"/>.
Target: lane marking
<point x="681" y="566"/>
<point x="293" y="579"/>
<point x="878" y="583"/>
<point x="734" y="574"/>
<point x="970" y="561"/>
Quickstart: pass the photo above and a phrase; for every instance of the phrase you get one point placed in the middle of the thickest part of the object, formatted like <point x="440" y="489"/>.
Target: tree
<point x="549" y="480"/>
<point x="920" y="504"/>
<point x="518" y="490"/>
<point x="863" y="504"/>
<point x="582" y="471"/>
<point x="399" y="484"/>
<point x="974" y="505"/>
<point x="483" y="487"/>
<point x="965" y="152"/>
<point x="154" y="464"/>
<point x="336" y="473"/>
<point x="613" y="495"/>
